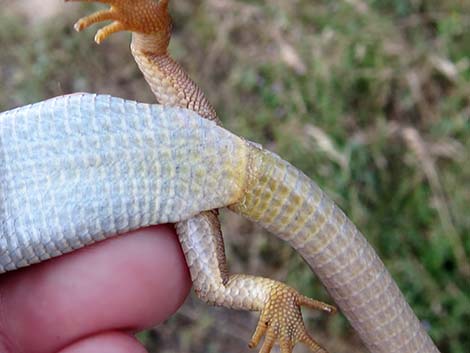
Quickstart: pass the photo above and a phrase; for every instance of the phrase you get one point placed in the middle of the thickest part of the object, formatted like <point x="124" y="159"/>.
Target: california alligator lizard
<point x="222" y="171"/>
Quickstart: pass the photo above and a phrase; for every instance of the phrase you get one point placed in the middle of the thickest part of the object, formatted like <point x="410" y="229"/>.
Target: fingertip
<point x="107" y="342"/>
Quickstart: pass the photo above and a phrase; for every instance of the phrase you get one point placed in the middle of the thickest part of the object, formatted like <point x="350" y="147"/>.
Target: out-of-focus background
<point x="371" y="98"/>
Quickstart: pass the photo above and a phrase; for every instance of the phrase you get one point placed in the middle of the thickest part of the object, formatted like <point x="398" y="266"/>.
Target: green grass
<point x="371" y="99"/>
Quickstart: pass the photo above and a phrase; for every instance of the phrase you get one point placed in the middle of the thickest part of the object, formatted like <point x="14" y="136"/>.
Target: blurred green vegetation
<point x="369" y="98"/>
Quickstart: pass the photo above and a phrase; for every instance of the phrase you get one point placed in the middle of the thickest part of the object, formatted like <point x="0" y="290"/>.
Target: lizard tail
<point x="292" y="206"/>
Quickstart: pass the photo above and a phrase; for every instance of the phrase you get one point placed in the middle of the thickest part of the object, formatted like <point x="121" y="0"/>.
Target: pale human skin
<point x="94" y="299"/>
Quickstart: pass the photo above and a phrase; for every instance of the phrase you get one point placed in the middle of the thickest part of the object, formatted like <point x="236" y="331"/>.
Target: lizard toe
<point x="99" y="16"/>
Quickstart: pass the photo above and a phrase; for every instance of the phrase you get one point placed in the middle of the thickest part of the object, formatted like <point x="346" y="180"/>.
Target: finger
<point x="106" y="31"/>
<point x="259" y="332"/>
<point x="268" y="342"/>
<point x="131" y="282"/>
<point x="311" y="344"/>
<point x="85" y="22"/>
<point x="315" y="304"/>
<point x="163" y="4"/>
<point x="102" y="1"/>
<point x="286" y="346"/>
<point x="109" y="342"/>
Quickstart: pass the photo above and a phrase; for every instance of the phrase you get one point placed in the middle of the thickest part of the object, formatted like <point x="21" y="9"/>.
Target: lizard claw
<point x="281" y="319"/>
<point x="141" y="16"/>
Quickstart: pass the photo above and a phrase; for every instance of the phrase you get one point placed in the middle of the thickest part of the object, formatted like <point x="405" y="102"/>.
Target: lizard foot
<point x="281" y="319"/>
<point x="141" y="16"/>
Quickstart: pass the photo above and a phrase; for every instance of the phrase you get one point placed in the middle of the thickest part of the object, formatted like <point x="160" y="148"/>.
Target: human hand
<point x="94" y="299"/>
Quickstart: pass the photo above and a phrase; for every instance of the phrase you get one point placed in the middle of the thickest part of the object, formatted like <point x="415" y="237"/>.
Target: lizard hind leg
<point x="280" y="320"/>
